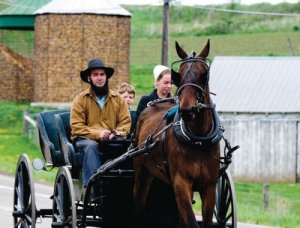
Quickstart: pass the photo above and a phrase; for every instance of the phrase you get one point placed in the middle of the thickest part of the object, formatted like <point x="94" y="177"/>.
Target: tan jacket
<point x="87" y="118"/>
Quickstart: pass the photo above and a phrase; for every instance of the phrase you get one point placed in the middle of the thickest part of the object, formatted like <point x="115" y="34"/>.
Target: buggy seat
<point x="48" y="138"/>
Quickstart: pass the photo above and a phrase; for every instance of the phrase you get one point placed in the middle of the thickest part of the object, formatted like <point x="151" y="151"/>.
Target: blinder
<point x="175" y="77"/>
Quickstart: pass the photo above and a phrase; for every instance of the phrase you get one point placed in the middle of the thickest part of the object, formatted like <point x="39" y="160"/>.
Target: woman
<point x="159" y="212"/>
<point x="163" y="86"/>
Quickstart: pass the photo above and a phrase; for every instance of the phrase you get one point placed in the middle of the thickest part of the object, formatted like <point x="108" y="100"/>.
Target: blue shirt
<point x="100" y="101"/>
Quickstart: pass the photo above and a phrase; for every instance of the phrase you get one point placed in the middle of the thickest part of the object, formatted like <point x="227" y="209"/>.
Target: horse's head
<point x="192" y="81"/>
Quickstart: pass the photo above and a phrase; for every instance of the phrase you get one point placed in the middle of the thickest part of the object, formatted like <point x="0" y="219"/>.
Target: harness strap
<point x="200" y="105"/>
<point x="165" y="162"/>
<point x="156" y="135"/>
<point x="161" y="100"/>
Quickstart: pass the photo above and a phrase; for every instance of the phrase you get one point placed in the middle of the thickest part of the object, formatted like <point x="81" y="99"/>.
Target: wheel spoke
<point x="19" y="203"/>
<point x="28" y="208"/>
<point x="20" y="191"/>
<point x="65" y="195"/>
<point x="59" y="200"/>
<point x="228" y="217"/>
<point x="224" y="199"/>
<point x="28" y="219"/>
<point x="24" y="224"/>
<point x="18" y="222"/>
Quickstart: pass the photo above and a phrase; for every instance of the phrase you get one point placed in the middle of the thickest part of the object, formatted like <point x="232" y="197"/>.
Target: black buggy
<point x="107" y="200"/>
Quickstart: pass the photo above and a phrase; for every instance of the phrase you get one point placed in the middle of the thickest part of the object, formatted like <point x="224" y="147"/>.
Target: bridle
<point x="200" y="90"/>
<point x="181" y="128"/>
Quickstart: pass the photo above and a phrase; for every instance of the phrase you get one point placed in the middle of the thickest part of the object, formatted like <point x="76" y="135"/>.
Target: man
<point x="97" y="114"/>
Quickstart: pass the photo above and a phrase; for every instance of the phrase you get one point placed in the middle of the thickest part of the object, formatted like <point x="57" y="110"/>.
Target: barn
<point x="68" y="33"/>
<point x="258" y="102"/>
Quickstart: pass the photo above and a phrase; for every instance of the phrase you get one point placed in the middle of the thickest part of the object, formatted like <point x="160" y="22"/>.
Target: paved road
<point x="42" y="193"/>
<point x="6" y="201"/>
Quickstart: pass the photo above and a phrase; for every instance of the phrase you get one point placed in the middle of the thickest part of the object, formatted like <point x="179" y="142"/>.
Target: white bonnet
<point x="157" y="71"/>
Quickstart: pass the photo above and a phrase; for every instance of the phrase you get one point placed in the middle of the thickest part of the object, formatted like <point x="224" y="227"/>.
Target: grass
<point x="283" y="210"/>
<point x="195" y="21"/>
<point x="13" y="142"/>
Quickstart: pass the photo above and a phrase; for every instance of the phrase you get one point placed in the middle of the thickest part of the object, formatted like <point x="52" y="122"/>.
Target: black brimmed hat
<point x="94" y="64"/>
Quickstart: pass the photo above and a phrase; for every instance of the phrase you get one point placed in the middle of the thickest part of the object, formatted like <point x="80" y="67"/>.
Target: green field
<point x="145" y="52"/>
<point x="230" y="35"/>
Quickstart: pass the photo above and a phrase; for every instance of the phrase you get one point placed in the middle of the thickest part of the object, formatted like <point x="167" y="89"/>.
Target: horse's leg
<point x="183" y="193"/>
<point x="208" y="195"/>
<point x="143" y="180"/>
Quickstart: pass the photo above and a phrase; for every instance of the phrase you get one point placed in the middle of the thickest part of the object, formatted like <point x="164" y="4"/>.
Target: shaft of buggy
<point x="129" y="154"/>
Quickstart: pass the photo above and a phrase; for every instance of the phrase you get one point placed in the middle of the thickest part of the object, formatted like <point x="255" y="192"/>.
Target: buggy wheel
<point x="225" y="209"/>
<point x="64" y="210"/>
<point x="24" y="211"/>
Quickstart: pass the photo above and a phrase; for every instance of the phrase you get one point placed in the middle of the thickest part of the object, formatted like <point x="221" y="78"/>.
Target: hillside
<point x="215" y="20"/>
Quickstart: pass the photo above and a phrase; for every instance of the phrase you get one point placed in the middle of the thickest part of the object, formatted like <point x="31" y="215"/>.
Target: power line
<point x="247" y="12"/>
<point x="7" y="3"/>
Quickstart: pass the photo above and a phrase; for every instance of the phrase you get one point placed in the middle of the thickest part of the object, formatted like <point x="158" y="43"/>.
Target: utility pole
<point x="165" y="34"/>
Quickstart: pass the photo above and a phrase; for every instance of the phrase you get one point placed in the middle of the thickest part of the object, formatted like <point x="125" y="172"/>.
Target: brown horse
<point x="188" y="151"/>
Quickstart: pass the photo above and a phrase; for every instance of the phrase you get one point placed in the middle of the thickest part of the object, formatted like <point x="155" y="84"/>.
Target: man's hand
<point x="114" y="134"/>
<point x="104" y="134"/>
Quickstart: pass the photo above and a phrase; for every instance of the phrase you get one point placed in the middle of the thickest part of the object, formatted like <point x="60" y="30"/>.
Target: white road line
<point x="36" y="194"/>
<point x="6" y="187"/>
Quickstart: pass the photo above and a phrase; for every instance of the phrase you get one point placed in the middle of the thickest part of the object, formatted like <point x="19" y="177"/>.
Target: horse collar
<point x="186" y="136"/>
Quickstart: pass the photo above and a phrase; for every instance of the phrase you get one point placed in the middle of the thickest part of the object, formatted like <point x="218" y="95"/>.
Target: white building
<point x="258" y="99"/>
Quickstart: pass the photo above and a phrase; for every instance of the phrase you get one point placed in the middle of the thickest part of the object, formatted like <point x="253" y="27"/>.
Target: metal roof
<point x="20" y="14"/>
<point x="83" y="6"/>
<point x="23" y="7"/>
<point x="256" y="84"/>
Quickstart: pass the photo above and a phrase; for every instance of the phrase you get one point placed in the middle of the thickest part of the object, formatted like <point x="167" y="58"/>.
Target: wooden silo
<point x="70" y="33"/>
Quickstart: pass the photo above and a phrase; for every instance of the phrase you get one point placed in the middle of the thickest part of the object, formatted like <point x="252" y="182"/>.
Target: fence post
<point x="266" y="196"/>
<point x="298" y="153"/>
<point x="25" y="123"/>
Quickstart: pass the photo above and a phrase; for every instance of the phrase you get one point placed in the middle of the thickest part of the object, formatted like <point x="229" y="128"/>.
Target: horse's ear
<point x="180" y="52"/>
<point x="175" y="77"/>
<point x="204" y="53"/>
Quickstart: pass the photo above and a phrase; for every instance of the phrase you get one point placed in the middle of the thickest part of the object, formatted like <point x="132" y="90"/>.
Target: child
<point x="127" y="92"/>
